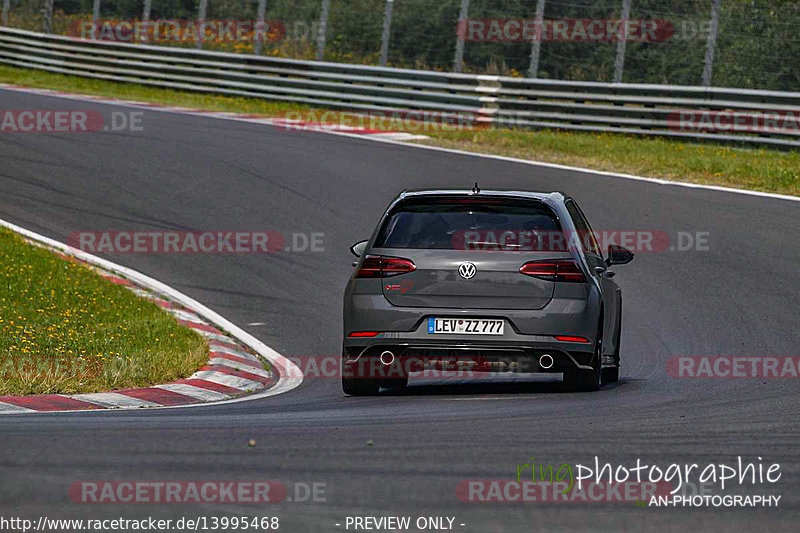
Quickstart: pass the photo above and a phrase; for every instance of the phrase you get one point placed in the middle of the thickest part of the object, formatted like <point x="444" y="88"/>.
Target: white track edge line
<point x="531" y="162"/>
<point x="285" y="366"/>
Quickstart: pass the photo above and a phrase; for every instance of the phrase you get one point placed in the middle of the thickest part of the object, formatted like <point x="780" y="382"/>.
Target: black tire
<point x="398" y="385"/>
<point x="360" y="387"/>
<point x="611" y="374"/>
<point x="355" y="385"/>
<point x="588" y="380"/>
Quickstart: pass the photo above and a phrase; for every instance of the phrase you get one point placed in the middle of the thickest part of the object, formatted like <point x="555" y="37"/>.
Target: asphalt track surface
<point x="740" y="297"/>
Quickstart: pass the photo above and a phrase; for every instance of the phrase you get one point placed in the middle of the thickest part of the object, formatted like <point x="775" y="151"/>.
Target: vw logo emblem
<point x="467" y="270"/>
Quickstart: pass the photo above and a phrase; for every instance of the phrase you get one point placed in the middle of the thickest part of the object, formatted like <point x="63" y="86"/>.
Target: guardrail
<point x="702" y="113"/>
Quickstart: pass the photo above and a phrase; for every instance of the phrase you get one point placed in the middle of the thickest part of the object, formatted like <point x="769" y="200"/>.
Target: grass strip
<point x="65" y="329"/>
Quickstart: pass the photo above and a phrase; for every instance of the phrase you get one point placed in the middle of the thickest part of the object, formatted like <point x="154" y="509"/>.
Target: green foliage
<point x="757" y="46"/>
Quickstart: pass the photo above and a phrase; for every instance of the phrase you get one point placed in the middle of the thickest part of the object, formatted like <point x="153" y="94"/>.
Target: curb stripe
<point x="234" y="372"/>
<point x="160" y="396"/>
<point x="214" y="336"/>
<point x="244" y="367"/>
<point x="213" y="345"/>
<point x="250" y="362"/>
<point x="201" y="327"/>
<point x="209" y="385"/>
<point x="229" y="351"/>
<point x="144" y="294"/>
<point x="112" y="400"/>
<point x="225" y="379"/>
<point x="47" y="402"/>
<point x="205" y="395"/>
<point x="184" y="315"/>
<point x="118" y="281"/>
<point x="8" y="408"/>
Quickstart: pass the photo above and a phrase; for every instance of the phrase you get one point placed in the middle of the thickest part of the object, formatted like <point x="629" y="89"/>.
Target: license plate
<point x="466" y="326"/>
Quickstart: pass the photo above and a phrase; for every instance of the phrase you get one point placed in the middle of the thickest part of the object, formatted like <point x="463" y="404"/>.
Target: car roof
<point x="554" y="196"/>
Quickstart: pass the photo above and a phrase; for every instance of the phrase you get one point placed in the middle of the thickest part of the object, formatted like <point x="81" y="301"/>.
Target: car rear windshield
<point x="470" y="223"/>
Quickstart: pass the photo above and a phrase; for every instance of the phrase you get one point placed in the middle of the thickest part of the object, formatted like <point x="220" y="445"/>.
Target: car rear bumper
<point x="527" y="336"/>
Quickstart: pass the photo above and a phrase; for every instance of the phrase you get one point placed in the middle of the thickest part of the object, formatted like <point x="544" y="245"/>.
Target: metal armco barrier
<point x="700" y="113"/>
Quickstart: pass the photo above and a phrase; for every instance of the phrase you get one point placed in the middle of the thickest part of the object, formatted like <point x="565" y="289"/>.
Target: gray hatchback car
<point x="455" y="280"/>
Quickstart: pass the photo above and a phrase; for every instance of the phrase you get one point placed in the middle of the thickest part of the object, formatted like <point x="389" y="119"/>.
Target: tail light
<point x="565" y="270"/>
<point x="378" y="266"/>
<point x="571" y="338"/>
<point x="359" y="334"/>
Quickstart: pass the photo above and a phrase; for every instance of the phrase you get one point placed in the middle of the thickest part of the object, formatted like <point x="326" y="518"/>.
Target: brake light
<point x="364" y="334"/>
<point x="540" y="269"/>
<point x="564" y="270"/>
<point x="570" y="338"/>
<point x="378" y="266"/>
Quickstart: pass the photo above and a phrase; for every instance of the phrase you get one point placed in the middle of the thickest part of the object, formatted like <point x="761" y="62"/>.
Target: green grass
<point x="66" y="329"/>
<point x="729" y="166"/>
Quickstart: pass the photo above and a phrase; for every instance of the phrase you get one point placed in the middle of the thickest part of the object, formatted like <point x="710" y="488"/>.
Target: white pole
<point x="619" y="61"/>
<point x="536" y="46"/>
<point x="201" y="17"/>
<point x="458" y="61"/>
<point x="711" y="44"/>
<point x="323" y="29"/>
<point x="145" y="10"/>
<point x="6" y="8"/>
<point x="387" y="31"/>
<point x="262" y="9"/>
<point x="47" y="22"/>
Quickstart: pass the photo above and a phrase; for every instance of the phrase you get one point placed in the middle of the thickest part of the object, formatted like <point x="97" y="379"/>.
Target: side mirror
<point x="358" y="248"/>
<point x="617" y="255"/>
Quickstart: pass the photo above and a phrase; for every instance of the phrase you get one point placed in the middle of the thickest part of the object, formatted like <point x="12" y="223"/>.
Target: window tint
<point x="468" y="223"/>
<point x="585" y="233"/>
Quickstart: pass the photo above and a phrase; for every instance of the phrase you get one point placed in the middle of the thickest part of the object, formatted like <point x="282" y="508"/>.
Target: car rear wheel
<point x="611" y="374"/>
<point x="588" y="380"/>
<point x="360" y="387"/>
<point x="353" y="385"/>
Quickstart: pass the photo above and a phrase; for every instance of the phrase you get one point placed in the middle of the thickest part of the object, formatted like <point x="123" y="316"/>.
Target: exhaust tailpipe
<point x="387" y="358"/>
<point x="546" y="361"/>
